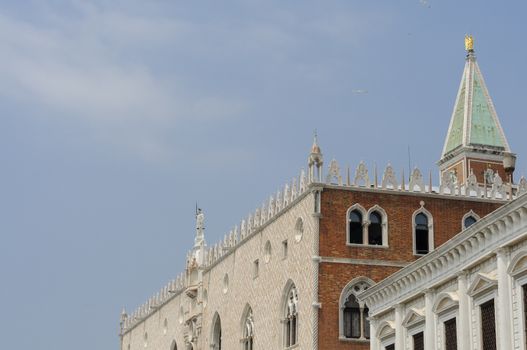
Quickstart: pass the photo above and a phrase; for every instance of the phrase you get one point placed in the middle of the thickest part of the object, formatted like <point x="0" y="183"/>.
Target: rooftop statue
<point x="469" y="43"/>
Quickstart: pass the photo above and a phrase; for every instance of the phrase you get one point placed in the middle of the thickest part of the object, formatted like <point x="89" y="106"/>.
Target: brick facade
<point x="333" y="277"/>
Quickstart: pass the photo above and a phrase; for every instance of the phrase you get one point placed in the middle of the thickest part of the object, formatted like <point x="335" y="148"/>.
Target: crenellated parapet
<point x="172" y="288"/>
<point x="494" y="189"/>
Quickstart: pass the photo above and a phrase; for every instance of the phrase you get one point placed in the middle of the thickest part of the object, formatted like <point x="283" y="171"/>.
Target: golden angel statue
<point x="469" y="43"/>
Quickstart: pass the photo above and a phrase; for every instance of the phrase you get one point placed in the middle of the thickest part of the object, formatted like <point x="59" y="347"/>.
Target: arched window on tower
<point x="423" y="232"/>
<point x="375" y="229"/>
<point x="354" y="323"/>
<point x="355" y="227"/>
<point x="291" y="318"/>
<point x="248" y="331"/>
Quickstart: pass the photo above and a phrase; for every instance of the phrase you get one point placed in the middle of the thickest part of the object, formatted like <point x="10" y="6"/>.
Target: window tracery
<point x="291" y="318"/>
<point x="354" y="323"/>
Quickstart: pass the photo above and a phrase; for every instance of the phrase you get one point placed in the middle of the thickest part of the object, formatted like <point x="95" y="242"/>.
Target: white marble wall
<point x="263" y="293"/>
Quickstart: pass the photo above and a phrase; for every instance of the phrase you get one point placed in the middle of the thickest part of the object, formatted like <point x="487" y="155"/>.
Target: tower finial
<point x="315" y="148"/>
<point x="469" y="43"/>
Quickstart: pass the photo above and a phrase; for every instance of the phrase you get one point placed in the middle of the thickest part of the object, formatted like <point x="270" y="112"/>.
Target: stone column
<point x="430" y="322"/>
<point x="504" y="311"/>
<point x="463" y="321"/>
<point x="399" y="329"/>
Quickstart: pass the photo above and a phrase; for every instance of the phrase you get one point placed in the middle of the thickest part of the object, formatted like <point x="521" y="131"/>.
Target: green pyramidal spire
<point x="474" y="124"/>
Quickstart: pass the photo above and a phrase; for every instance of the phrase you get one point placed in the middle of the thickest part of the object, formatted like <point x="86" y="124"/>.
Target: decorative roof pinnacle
<point x="315" y="148"/>
<point x="469" y="43"/>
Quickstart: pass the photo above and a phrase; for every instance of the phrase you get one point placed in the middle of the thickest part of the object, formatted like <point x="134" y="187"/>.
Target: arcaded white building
<point x="470" y="293"/>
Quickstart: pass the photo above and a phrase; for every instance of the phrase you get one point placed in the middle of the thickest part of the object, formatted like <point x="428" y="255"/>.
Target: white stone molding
<point x="472" y="185"/>
<point x="467" y="215"/>
<point x="384" y="223"/>
<point x="355" y="287"/>
<point x="518" y="265"/>
<point x="334" y="173"/>
<point x="385" y="333"/>
<point x="364" y="215"/>
<point x="414" y="317"/>
<point x="497" y="187"/>
<point x="445" y="302"/>
<point x="389" y="178"/>
<point x="483" y="283"/>
<point x="361" y="176"/>
<point x="416" y="179"/>
<point x="430" y="218"/>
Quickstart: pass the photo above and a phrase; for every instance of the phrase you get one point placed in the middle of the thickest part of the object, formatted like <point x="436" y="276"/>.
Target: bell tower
<point x="475" y="142"/>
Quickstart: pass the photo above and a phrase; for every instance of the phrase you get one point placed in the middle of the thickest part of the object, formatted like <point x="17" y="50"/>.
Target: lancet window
<point x="291" y="318"/>
<point x="423" y="235"/>
<point x="248" y="331"/>
<point x="355" y="227"/>
<point x="375" y="228"/>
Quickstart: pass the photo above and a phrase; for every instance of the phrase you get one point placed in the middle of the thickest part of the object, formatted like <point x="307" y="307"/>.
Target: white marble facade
<point x="253" y="273"/>
<point x="485" y="263"/>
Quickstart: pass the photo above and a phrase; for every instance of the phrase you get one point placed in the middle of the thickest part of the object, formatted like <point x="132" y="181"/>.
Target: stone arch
<point x="216" y="334"/>
<point x="173" y="346"/>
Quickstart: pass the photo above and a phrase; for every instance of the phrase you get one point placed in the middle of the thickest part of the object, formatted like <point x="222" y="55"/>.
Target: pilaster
<point x="504" y="300"/>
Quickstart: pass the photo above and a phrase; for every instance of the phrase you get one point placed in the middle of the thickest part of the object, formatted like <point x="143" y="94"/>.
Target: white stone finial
<point x="416" y="179"/>
<point x="334" y="173"/>
<point x="389" y="178"/>
<point x="361" y="175"/>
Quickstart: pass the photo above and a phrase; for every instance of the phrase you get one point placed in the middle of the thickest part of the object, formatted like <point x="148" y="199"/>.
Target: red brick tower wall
<point x="333" y="277"/>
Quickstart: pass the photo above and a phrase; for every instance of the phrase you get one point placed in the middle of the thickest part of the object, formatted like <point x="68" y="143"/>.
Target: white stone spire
<point x="315" y="162"/>
<point x="200" y="228"/>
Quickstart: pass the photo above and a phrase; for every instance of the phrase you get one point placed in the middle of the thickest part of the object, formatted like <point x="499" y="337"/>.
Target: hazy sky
<point x="117" y="116"/>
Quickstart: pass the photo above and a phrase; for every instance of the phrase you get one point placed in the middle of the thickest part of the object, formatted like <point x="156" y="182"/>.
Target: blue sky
<point x="117" y="116"/>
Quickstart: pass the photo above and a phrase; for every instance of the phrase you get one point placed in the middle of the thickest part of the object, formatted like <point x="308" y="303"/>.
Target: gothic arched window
<point x="355" y="227"/>
<point x="375" y="228"/>
<point x="423" y="232"/>
<point x="354" y="323"/>
<point x="216" y="335"/>
<point x="248" y="331"/>
<point x="469" y="219"/>
<point x="291" y="318"/>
